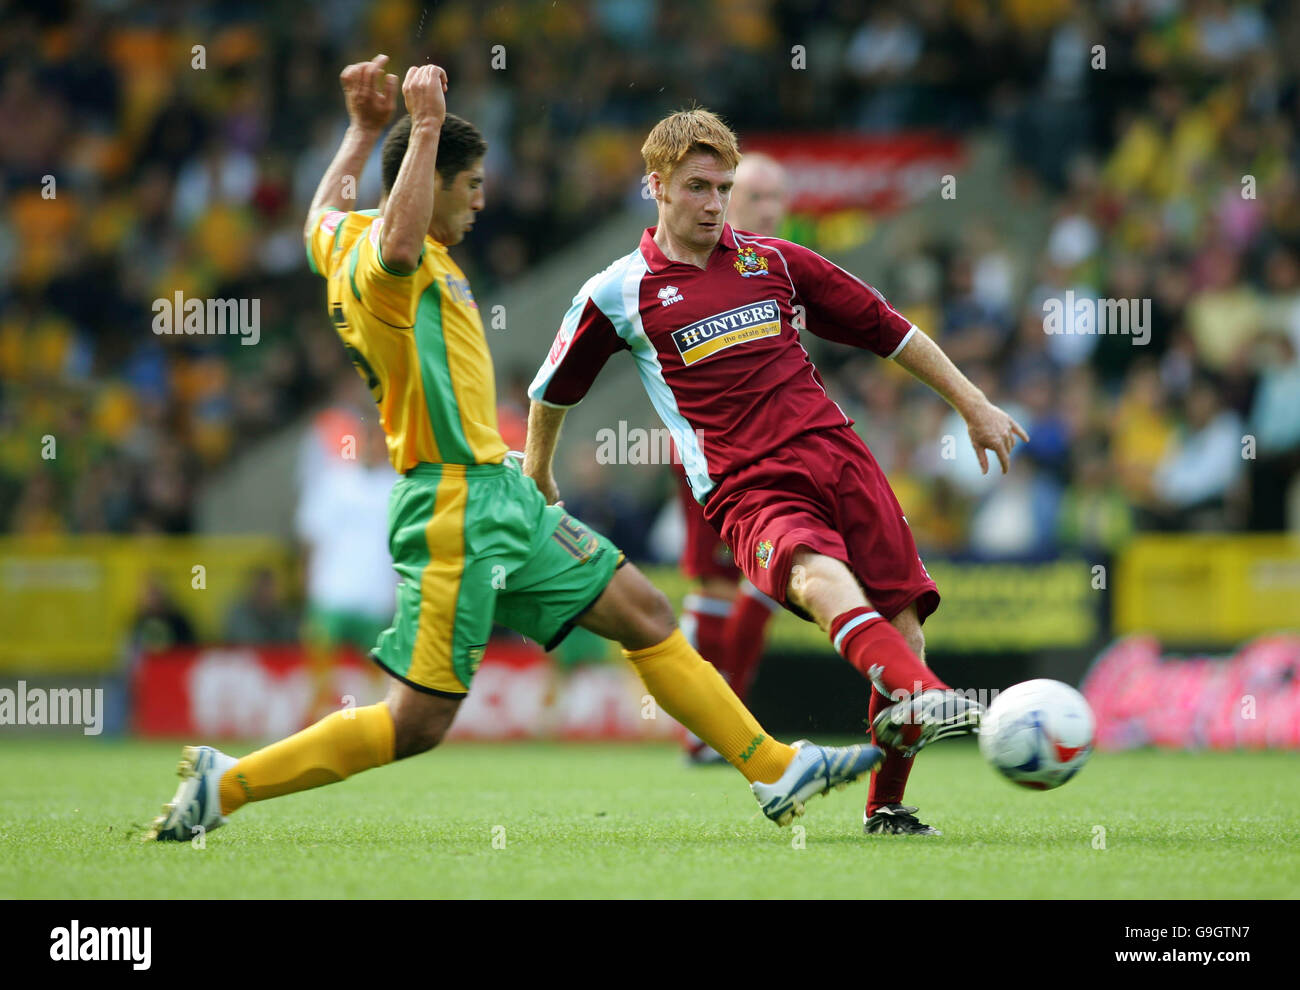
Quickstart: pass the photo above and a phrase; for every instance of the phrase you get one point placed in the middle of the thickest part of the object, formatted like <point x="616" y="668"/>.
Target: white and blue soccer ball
<point x="1037" y="734"/>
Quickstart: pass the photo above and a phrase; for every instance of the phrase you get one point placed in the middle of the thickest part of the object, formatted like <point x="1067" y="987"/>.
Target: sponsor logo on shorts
<point x="764" y="553"/>
<point x="723" y="330"/>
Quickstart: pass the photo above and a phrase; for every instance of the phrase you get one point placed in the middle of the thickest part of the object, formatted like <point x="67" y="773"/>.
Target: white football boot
<point x="196" y="808"/>
<point x="814" y="770"/>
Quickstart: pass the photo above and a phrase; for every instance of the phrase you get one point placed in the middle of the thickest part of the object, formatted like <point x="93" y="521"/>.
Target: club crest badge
<point x="749" y="263"/>
<point x="764" y="553"/>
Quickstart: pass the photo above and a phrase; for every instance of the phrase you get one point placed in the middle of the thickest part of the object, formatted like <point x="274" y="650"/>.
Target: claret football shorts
<point x="823" y="491"/>
<point x="476" y="545"/>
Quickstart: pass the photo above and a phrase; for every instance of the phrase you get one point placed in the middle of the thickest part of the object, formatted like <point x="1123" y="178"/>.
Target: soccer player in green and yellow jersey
<point x="472" y="538"/>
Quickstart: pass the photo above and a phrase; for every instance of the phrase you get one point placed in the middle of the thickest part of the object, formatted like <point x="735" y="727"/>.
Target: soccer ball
<point x="1037" y="734"/>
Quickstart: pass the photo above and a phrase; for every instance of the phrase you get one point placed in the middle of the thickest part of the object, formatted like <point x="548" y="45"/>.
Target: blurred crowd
<point x="1180" y="191"/>
<point x="156" y="148"/>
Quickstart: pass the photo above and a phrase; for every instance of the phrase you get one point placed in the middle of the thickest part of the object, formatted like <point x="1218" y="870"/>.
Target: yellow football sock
<point x="333" y="749"/>
<point x="689" y="689"/>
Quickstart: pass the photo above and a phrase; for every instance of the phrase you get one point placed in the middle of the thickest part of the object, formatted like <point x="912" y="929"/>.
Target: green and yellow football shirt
<point x="416" y="339"/>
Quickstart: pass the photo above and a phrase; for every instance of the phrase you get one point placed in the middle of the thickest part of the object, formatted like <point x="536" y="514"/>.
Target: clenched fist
<point x="423" y="90"/>
<point x="370" y="94"/>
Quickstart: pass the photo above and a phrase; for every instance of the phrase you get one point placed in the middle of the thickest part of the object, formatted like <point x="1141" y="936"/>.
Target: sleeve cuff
<point x="903" y="343"/>
<point x="379" y="254"/>
<point x="553" y="405"/>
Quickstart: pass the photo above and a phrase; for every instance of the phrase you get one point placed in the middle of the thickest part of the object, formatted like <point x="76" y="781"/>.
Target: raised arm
<point x="370" y="95"/>
<point x="410" y="202"/>
<point x="539" y="450"/>
<point x="988" y="425"/>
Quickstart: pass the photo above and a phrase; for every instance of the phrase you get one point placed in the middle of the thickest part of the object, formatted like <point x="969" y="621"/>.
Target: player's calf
<point x="420" y="720"/>
<point x="909" y="627"/>
<point x="636" y="614"/>
<point x="344" y="743"/>
<point x="827" y="590"/>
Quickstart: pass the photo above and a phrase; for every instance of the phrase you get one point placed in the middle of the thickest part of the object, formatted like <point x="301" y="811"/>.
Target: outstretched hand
<point x="992" y="429"/>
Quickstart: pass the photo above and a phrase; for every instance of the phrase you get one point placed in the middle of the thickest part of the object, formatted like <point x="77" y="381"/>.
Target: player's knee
<point x="822" y="588"/>
<point x="412" y="736"/>
<point x="420" y="721"/>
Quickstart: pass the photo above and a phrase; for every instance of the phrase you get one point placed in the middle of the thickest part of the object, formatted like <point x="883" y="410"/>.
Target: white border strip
<point x="853" y="624"/>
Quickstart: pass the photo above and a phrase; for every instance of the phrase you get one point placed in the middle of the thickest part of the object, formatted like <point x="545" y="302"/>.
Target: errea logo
<point x="669" y="295"/>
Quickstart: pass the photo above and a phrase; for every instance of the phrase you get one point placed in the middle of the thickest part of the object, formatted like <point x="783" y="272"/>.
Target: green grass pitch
<point x="631" y="821"/>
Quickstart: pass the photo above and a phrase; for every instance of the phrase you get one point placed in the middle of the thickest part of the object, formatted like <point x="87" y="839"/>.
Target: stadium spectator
<point x="259" y="615"/>
<point x="1095" y="516"/>
<point x="1194" y="480"/>
<point x="1275" y="425"/>
<point x="159" y="623"/>
<point x="1018" y="519"/>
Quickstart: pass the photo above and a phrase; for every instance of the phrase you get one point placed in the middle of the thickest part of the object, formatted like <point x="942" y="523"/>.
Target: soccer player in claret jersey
<point x="472" y="538"/>
<point x="779" y="470"/>
<point x="725" y="617"/>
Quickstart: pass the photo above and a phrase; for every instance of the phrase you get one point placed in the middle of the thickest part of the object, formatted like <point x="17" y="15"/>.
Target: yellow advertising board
<point x="1208" y="588"/>
<point x="68" y="604"/>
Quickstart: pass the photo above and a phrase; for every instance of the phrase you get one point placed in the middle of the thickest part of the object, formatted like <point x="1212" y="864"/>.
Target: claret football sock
<point x="333" y="749"/>
<point x="704" y="623"/>
<point x="689" y="689"/>
<point x="890" y="779"/>
<point x="880" y="653"/>
<point x="743" y="635"/>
